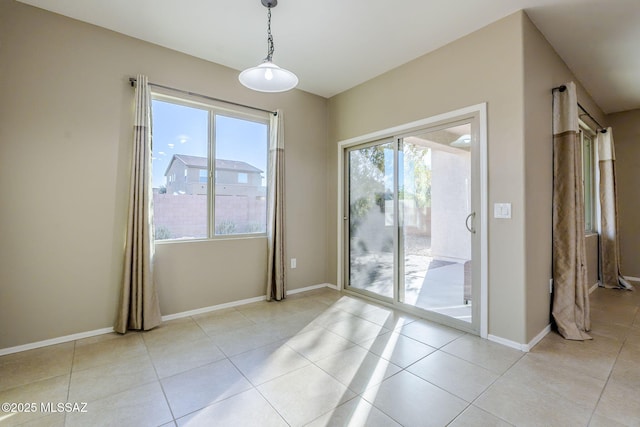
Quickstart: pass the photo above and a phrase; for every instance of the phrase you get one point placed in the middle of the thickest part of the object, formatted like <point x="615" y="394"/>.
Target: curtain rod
<point x="133" y="80"/>
<point x="602" y="129"/>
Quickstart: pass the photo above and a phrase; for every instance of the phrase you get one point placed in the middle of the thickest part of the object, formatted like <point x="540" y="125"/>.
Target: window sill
<point x="212" y="239"/>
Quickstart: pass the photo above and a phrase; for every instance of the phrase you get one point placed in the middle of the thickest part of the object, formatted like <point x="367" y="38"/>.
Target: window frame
<point x="206" y="176"/>
<point x="588" y="134"/>
<point x="218" y="109"/>
<point x="245" y="178"/>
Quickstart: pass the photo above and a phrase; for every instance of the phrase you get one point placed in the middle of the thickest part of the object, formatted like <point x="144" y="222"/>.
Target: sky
<point x="406" y="165"/>
<point x="178" y="129"/>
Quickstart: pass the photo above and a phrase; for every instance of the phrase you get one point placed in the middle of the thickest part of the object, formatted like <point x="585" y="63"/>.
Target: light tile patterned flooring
<point x="322" y="358"/>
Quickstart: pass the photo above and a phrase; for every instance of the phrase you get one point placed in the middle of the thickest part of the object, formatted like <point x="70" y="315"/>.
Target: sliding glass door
<point x="371" y="218"/>
<point x="410" y="227"/>
<point x="437" y="221"/>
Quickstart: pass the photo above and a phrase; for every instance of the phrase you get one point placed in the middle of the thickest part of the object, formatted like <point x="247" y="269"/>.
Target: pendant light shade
<point x="463" y="142"/>
<point x="268" y="77"/>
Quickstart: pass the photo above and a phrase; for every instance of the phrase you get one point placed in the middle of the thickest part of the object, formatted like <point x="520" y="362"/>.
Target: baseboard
<point x="235" y="303"/>
<point x="311" y="288"/>
<point x="634" y="279"/>
<point x="543" y="333"/>
<point x="594" y="287"/>
<point x="519" y="346"/>
<point x="212" y="308"/>
<point x="80" y="335"/>
<point x="505" y="342"/>
<point x="54" y="341"/>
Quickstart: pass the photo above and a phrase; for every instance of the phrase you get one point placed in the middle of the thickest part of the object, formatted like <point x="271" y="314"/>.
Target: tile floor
<point x="321" y="358"/>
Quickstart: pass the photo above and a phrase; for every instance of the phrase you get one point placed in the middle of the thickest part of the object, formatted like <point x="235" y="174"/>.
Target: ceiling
<point x="337" y="44"/>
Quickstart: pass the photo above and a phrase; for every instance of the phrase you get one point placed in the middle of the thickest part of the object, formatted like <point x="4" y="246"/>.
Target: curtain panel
<point x="276" y="262"/>
<point x="571" y="294"/>
<point x="139" y="306"/>
<point x="609" y="244"/>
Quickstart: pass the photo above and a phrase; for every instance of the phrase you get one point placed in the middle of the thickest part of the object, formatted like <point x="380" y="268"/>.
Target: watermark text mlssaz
<point x="48" y="407"/>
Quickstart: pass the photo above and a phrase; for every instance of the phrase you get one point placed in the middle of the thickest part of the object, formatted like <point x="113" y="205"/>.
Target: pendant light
<point x="463" y="142"/>
<point x="268" y="77"/>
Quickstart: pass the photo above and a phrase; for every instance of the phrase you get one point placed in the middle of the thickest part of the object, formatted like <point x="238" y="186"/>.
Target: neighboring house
<point x="240" y="198"/>
<point x="188" y="175"/>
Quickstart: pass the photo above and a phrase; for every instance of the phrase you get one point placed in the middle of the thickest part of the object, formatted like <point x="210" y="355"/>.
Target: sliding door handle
<point x="471" y="217"/>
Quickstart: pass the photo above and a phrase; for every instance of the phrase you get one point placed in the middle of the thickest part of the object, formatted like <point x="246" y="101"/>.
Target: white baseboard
<point x="505" y="342"/>
<point x="543" y="333"/>
<point x="236" y="303"/>
<point x="635" y="279"/>
<point x="53" y="341"/>
<point x="594" y="287"/>
<point x="518" y="346"/>
<point x="80" y="335"/>
<point x="311" y="288"/>
<point x="212" y="308"/>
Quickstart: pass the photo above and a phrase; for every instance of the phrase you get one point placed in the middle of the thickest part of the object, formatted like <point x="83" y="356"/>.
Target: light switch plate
<point x="502" y="210"/>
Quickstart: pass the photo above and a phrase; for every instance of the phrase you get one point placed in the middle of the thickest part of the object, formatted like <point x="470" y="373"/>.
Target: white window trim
<point x="595" y="175"/>
<point x="214" y="108"/>
<point x="481" y="111"/>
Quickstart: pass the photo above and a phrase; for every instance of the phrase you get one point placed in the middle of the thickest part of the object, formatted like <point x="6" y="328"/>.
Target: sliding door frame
<point x="475" y="112"/>
<point x="347" y="220"/>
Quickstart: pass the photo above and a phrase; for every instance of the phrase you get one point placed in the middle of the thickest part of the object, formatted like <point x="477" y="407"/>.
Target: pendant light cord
<point x="267" y="76"/>
<point x="270" y="47"/>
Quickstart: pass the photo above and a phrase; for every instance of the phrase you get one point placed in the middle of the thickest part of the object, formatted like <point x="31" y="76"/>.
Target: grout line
<point x="73" y="356"/>
<point x="71" y="371"/>
<point x="283" y="343"/>
<point x="613" y="367"/>
<point x="271" y="405"/>
<point x="511" y="365"/>
<point x="255" y="387"/>
<point x="164" y="393"/>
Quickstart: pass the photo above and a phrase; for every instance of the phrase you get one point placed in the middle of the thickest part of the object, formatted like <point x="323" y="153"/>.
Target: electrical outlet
<point x="293" y="263"/>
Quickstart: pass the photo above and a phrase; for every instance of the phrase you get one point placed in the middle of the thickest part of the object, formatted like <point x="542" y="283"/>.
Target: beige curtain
<point x="276" y="263"/>
<point x="571" y="294"/>
<point x="139" y="308"/>
<point x="610" y="276"/>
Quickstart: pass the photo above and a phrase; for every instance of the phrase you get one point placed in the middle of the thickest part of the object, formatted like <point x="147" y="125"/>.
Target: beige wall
<point x="509" y="65"/>
<point x="450" y="195"/>
<point x="486" y="66"/>
<point x="626" y="135"/>
<point x="65" y="101"/>
<point x="544" y="69"/>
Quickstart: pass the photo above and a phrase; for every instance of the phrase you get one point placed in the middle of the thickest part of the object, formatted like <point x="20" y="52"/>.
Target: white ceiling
<point x="333" y="45"/>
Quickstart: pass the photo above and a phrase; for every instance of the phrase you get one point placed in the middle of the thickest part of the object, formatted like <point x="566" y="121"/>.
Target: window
<point x="203" y="175"/>
<point x="198" y="141"/>
<point x="587" y="137"/>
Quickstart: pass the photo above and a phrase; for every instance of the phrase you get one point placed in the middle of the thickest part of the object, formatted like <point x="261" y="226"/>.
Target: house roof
<point x="221" y="164"/>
